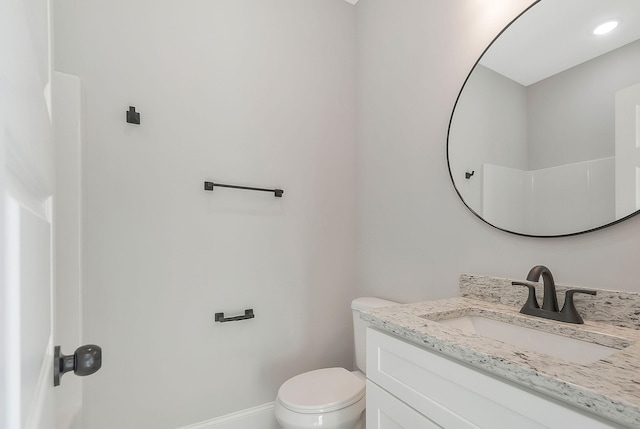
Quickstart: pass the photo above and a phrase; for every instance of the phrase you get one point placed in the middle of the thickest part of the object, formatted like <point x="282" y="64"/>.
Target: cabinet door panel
<point x="384" y="411"/>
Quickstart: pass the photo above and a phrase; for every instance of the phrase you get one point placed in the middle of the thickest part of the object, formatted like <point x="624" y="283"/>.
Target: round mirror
<point x="544" y="139"/>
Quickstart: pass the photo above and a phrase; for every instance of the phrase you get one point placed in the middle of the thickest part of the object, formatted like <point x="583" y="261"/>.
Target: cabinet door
<point x="385" y="411"/>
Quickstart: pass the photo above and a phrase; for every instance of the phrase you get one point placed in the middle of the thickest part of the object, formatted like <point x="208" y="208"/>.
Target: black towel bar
<point x="208" y="186"/>
<point x="248" y="314"/>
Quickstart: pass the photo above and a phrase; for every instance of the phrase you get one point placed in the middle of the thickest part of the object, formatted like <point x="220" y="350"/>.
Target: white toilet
<point x="330" y="398"/>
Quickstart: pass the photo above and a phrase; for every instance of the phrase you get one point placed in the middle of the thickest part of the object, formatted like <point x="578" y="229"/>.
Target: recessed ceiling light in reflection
<point x="604" y="28"/>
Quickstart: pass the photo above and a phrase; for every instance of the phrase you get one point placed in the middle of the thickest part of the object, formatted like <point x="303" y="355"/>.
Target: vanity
<point x="434" y="365"/>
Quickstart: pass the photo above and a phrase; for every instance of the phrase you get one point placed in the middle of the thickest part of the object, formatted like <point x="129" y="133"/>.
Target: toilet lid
<point x="321" y="391"/>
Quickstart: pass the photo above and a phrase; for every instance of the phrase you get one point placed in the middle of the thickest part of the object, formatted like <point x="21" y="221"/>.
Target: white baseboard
<point x="260" y="417"/>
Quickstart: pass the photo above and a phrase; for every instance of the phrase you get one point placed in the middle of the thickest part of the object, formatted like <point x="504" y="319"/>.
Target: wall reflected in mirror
<point x="549" y="120"/>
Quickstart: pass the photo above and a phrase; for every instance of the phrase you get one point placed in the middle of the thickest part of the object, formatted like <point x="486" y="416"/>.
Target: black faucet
<point x="549" y="309"/>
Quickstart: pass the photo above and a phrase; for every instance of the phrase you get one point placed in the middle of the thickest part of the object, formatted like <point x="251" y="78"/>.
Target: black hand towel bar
<point x="208" y="186"/>
<point x="248" y="314"/>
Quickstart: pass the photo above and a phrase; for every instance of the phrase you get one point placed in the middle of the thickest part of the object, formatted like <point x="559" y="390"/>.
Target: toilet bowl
<point x="329" y="398"/>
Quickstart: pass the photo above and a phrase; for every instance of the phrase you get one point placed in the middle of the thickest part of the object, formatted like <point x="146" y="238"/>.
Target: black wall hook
<point x="133" y="117"/>
<point x="468" y="175"/>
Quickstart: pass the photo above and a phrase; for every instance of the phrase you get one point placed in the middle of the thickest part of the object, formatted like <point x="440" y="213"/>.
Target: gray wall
<point x="414" y="235"/>
<point x="249" y="92"/>
<point x="572" y="114"/>
<point x="489" y="126"/>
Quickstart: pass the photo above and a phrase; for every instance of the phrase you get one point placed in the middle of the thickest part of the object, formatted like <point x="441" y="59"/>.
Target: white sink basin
<point x="558" y="346"/>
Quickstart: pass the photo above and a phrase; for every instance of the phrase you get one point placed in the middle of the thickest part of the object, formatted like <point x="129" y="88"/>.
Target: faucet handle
<point x="569" y="309"/>
<point x="532" y="301"/>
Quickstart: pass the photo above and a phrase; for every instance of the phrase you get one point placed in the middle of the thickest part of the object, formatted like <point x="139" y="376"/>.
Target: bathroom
<point x="346" y="108"/>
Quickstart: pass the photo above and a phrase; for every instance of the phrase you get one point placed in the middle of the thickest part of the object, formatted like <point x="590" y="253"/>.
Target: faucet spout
<point x="550" y="300"/>
<point x="549" y="308"/>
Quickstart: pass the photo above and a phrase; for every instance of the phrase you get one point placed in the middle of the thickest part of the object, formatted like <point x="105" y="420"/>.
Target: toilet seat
<point x="321" y="391"/>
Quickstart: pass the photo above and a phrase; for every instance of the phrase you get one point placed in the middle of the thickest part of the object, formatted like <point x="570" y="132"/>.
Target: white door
<point x="26" y="190"/>
<point x="627" y="151"/>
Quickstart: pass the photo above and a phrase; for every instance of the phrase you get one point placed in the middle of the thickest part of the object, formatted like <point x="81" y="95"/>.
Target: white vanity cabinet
<point x="411" y="387"/>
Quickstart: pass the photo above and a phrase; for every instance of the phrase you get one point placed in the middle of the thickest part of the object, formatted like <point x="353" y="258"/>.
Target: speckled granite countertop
<point x="609" y="387"/>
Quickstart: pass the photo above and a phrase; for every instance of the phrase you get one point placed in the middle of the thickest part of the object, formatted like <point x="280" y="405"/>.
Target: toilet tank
<point x="360" y="326"/>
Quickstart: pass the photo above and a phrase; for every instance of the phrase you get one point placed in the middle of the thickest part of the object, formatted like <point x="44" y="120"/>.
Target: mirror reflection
<point x="544" y="138"/>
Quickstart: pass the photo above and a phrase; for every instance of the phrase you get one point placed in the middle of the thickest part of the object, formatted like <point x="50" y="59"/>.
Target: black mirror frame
<point x="449" y="162"/>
